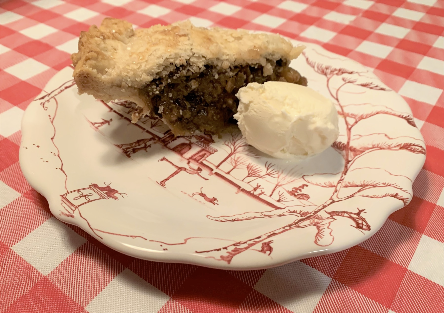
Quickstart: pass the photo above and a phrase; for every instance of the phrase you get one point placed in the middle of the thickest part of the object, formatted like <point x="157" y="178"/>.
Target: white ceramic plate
<point x="223" y="204"/>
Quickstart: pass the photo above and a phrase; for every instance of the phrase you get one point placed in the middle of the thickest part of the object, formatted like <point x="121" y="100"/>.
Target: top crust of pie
<point x="114" y="60"/>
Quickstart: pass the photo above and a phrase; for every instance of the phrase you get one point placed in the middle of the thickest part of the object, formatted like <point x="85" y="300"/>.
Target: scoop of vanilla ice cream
<point x="286" y="120"/>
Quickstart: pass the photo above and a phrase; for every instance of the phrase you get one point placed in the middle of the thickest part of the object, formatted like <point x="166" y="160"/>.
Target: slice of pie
<point x="187" y="76"/>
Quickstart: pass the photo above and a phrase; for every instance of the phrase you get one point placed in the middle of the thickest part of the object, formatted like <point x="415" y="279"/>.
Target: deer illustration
<point x="212" y="200"/>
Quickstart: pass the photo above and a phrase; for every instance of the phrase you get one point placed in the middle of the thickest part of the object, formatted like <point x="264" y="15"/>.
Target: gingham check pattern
<point x="46" y="266"/>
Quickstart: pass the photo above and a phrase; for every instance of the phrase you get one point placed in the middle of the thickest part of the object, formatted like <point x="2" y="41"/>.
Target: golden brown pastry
<point x="186" y="75"/>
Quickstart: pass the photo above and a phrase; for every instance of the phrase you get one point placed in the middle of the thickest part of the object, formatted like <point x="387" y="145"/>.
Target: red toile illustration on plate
<point x="218" y="202"/>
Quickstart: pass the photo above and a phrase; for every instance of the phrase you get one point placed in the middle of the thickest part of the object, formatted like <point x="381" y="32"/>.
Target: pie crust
<point x="186" y="75"/>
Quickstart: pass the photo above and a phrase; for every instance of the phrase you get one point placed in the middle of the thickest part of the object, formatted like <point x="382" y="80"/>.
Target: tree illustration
<point x="282" y="197"/>
<point x="255" y="170"/>
<point x="236" y="144"/>
<point x="352" y="181"/>
<point x="236" y="161"/>
<point x="283" y="178"/>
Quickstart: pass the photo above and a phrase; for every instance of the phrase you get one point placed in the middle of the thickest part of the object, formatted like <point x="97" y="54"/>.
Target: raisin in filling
<point x="206" y="100"/>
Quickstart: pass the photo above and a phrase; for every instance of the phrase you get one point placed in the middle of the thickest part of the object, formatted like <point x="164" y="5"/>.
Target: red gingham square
<point x="430" y="164"/>
<point x="416" y="215"/>
<point x="43" y="16"/>
<point x="281" y="13"/>
<point x="84" y="3"/>
<point x="18" y="276"/>
<point x="364" y="59"/>
<point x="432" y="136"/>
<point x="413" y="46"/>
<point x="394" y="242"/>
<point x="160" y="275"/>
<point x="61" y="22"/>
<point x="233" y="22"/>
<point x="259" y="7"/>
<point x="8" y="59"/>
<point x="7" y="80"/>
<point x="347" y="9"/>
<point x="396" y="68"/>
<point x="15" y="138"/>
<point x="329" y="5"/>
<point x="388" y="5"/>
<point x="418" y="294"/>
<point x="19" y="218"/>
<point x="394" y="82"/>
<point x="305" y="19"/>
<point x="434" y="227"/>
<point x="343" y="299"/>
<point x="433" y="19"/>
<point x="13" y="5"/>
<point x="339" y="40"/>
<point x="427" y="77"/>
<point x="37" y="199"/>
<point x="357" y="32"/>
<point x="76" y="28"/>
<point x="337" y="49"/>
<point x="436" y="53"/>
<point x="257" y="302"/>
<point x="400" y="21"/>
<point x="54" y="58"/>
<point x="212" y="285"/>
<point x="4" y="107"/>
<point x="420" y="110"/>
<point x="326" y="264"/>
<point x="330" y="25"/>
<point x="246" y="14"/>
<point x="5" y="31"/>
<point x="93" y="266"/>
<point x="436" y="11"/>
<point x="8" y="153"/>
<point x="374" y="15"/>
<point x="249" y="277"/>
<point x="317" y="11"/>
<point x="190" y="10"/>
<point x="27" y="93"/>
<point x="33" y="48"/>
<point x="436" y="117"/>
<point x="421" y="37"/>
<point x="434" y="183"/>
<point x="429" y="28"/>
<point x="26" y="9"/>
<point x="22" y="24"/>
<point x="45" y="297"/>
<point x="13" y="177"/>
<point x="371" y="275"/>
<point x="415" y="6"/>
<point x="14" y="40"/>
<point x="118" y="13"/>
<point x="173" y="306"/>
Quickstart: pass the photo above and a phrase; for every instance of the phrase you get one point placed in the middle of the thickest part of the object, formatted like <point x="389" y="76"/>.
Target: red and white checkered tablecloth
<point x="47" y="266"/>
